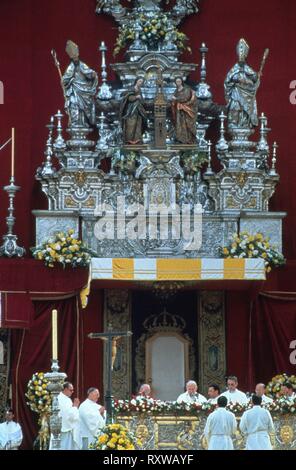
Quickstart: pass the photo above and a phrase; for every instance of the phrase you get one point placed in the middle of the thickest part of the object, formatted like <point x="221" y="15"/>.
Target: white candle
<point x="12" y="152"/>
<point x="54" y="331"/>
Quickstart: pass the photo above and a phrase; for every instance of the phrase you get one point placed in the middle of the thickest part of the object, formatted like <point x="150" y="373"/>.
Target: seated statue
<point x="132" y="114"/>
<point x="80" y="85"/>
<point x="184" y="113"/>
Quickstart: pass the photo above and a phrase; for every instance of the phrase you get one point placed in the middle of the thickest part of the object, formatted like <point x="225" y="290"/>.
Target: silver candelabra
<point x="55" y="386"/>
<point x="10" y="247"/>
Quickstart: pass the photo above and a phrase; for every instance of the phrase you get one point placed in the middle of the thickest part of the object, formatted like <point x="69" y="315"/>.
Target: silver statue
<point x="241" y="86"/>
<point x="80" y="83"/>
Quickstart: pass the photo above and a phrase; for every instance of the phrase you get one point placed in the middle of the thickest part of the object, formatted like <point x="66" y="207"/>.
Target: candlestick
<point x="12" y="152"/>
<point x="54" y="335"/>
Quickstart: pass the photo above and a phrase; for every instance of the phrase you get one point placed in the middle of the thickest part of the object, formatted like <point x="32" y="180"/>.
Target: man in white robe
<point x="144" y="391"/>
<point x="91" y="417"/>
<point x="260" y="392"/>
<point x="213" y="394"/>
<point x="234" y="395"/>
<point x="70" y="435"/>
<point x="256" y="424"/>
<point x="11" y="435"/>
<point x="220" y="426"/>
<point x="191" y="395"/>
<point x="288" y="391"/>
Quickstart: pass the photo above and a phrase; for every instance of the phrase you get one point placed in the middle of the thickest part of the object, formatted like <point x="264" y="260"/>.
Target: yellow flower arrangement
<point x="154" y="30"/>
<point x="245" y="245"/>
<point x="273" y="388"/>
<point x="39" y="398"/>
<point x="115" y="437"/>
<point x="63" y="248"/>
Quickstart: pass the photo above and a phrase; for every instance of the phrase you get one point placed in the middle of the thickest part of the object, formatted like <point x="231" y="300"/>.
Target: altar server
<point x="91" y="417"/>
<point x="11" y="435"/>
<point x="256" y="424"/>
<point x="70" y="435"/>
<point x="220" y="426"/>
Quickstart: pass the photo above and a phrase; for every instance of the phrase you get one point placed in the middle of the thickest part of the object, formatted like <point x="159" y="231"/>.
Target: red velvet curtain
<point x="79" y="356"/>
<point x="259" y="335"/>
<point x="32" y="89"/>
<point x="272" y="329"/>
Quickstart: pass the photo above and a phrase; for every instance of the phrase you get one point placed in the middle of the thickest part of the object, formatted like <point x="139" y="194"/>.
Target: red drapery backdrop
<point x="79" y="357"/>
<point x="272" y="329"/>
<point x="259" y="334"/>
<point x="32" y="93"/>
<point x="28" y="31"/>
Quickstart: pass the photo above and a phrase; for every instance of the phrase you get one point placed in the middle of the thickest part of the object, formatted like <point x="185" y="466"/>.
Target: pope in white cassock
<point x="234" y="395"/>
<point x="256" y="424"/>
<point x="11" y="435"/>
<point x="91" y="417"/>
<point x="220" y="426"/>
<point x="70" y="435"/>
<point x="191" y="395"/>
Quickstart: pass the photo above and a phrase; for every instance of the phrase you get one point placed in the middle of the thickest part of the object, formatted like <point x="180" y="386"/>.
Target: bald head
<point x="260" y="389"/>
<point x="145" y="390"/>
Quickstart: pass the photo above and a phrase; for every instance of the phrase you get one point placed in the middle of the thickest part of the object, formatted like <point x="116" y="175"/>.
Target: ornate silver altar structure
<point x="171" y="432"/>
<point x="98" y="164"/>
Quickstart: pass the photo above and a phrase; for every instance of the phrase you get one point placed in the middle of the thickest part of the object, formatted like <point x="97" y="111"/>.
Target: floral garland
<point x="153" y="30"/>
<point x="115" y="437"/>
<point x="151" y="406"/>
<point x="273" y="388"/>
<point x="155" y="407"/>
<point x="63" y="248"/>
<point x="246" y="245"/>
<point x="193" y="161"/>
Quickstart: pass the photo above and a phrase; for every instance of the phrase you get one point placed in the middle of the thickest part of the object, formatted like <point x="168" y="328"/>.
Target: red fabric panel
<point x="237" y="335"/>
<point x="92" y="354"/>
<point x="273" y="327"/>
<point x="33" y="276"/>
<point x="31" y="352"/>
<point x="16" y="310"/>
<point x="32" y="91"/>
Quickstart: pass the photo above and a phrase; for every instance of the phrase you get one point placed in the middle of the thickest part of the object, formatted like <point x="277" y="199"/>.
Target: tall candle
<point x="12" y="152"/>
<point x="54" y="334"/>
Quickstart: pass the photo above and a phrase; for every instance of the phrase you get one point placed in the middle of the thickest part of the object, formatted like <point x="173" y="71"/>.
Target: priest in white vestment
<point x="213" y="394"/>
<point x="11" y="435"/>
<point x="92" y="417"/>
<point x="260" y="392"/>
<point x="288" y="391"/>
<point x="70" y="433"/>
<point x="234" y="395"/>
<point x="191" y="395"/>
<point x="144" y="392"/>
<point x="256" y="424"/>
<point x="220" y="426"/>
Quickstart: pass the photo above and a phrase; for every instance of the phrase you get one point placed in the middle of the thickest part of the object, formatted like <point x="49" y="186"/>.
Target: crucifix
<point x="111" y="337"/>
